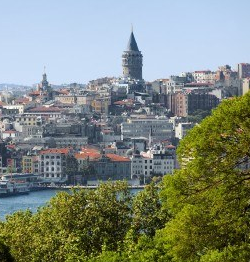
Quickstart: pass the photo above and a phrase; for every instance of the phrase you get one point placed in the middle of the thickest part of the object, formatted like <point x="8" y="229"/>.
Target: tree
<point x="5" y="255"/>
<point x="198" y="115"/>
<point x="209" y="198"/>
<point x="147" y="212"/>
<point x="73" y="226"/>
<point x="71" y="168"/>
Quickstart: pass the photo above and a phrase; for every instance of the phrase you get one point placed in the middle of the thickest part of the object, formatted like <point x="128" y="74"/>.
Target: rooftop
<point x="132" y="45"/>
<point x="56" y="151"/>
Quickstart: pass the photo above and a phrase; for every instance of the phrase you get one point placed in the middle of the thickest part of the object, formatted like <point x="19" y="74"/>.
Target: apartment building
<point x="159" y="129"/>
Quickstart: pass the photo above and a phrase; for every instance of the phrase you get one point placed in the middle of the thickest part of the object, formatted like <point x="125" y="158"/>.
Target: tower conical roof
<point x="132" y="45"/>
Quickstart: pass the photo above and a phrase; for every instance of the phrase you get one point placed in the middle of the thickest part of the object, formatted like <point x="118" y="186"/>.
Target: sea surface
<point x="32" y="201"/>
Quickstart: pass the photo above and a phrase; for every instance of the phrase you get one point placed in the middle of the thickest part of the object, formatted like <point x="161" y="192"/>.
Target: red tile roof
<point x="10" y="132"/>
<point x="22" y="100"/>
<point x="2" y="103"/>
<point x="45" y="109"/>
<point x="118" y="158"/>
<point x="94" y="155"/>
<point x="63" y="91"/>
<point x="56" y="151"/>
<point x="35" y="93"/>
<point x="124" y="102"/>
<point x="170" y="146"/>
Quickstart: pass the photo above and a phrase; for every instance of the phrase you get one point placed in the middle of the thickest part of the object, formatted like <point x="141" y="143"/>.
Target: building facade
<point x="158" y="129"/>
<point x="243" y="70"/>
<point x="156" y="161"/>
<point x="53" y="165"/>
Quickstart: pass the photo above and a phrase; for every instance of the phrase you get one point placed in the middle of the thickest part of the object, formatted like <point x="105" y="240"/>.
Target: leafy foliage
<point x="71" y="225"/>
<point x="198" y="115"/>
<point x="5" y="255"/>
<point x="209" y="197"/>
<point x="147" y="212"/>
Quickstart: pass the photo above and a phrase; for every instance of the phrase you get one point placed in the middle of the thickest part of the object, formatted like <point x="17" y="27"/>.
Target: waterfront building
<point x="156" y="161"/>
<point x="105" y="166"/>
<point x="30" y="164"/>
<point x="53" y="164"/>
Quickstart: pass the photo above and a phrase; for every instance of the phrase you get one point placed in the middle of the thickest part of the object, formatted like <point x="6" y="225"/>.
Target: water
<point x="31" y="201"/>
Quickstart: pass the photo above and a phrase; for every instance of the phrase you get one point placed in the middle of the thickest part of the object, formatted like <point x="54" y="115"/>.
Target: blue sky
<point x="81" y="40"/>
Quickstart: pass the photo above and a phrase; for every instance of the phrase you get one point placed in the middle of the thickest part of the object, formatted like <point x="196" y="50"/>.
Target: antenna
<point x="131" y="27"/>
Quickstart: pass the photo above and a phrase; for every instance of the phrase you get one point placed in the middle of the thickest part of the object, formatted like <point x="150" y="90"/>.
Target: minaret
<point x="132" y="60"/>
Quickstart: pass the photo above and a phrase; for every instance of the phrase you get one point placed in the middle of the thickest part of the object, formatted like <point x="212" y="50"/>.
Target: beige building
<point x="76" y="99"/>
<point x="245" y="85"/>
<point x="27" y="120"/>
<point x="66" y="99"/>
<point x="205" y="76"/>
<point x="101" y="105"/>
<point x="30" y="164"/>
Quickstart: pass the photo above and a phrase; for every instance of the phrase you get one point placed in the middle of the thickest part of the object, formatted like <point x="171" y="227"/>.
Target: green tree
<point x="73" y="226"/>
<point x="198" y="115"/>
<point x="209" y="198"/>
<point x="71" y="168"/>
<point x="5" y="255"/>
<point x="147" y="212"/>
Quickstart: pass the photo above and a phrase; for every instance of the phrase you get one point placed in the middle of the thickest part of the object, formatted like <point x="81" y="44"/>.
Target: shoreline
<point x="88" y="187"/>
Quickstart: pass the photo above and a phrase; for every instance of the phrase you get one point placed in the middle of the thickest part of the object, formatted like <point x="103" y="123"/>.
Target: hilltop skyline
<point x="81" y="41"/>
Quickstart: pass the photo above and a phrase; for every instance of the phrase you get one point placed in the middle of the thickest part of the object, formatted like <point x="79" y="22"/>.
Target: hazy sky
<point x="81" y="40"/>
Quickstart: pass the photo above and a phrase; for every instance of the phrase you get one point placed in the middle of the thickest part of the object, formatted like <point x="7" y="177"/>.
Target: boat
<point x="13" y="188"/>
<point x="32" y="181"/>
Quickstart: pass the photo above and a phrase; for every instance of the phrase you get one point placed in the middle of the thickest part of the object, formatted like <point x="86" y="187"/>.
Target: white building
<point x="182" y="128"/>
<point x="53" y="165"/>
<point x="10" y="133"/>
<point x="159" y="129"/>
<point x="156" y="161"/>
<point x="204" y="76"/>
<point x="70" y="141"/>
